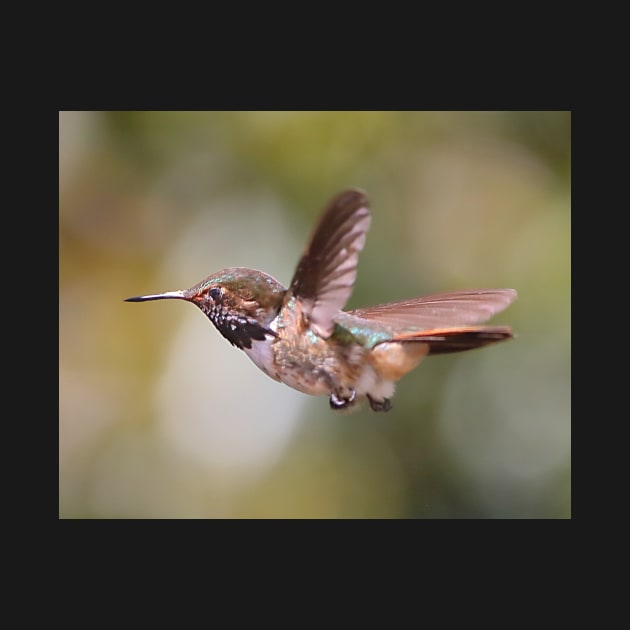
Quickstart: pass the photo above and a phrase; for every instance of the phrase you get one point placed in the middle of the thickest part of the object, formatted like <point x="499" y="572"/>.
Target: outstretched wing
<point x="457" y="308"/>
<point x="327" y="270"/>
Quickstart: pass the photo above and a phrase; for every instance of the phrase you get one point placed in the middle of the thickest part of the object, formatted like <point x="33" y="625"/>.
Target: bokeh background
<point x="159" y="417"/>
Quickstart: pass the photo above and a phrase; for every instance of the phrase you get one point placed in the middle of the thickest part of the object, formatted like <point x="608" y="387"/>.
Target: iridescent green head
<point x="240" y="302"/>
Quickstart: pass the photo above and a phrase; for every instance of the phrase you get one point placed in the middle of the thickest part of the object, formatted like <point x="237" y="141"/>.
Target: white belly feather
<point x="261" y="354"/>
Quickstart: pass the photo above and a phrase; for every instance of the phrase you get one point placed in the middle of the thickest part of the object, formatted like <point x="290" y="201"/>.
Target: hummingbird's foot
<point x="342" y="402"/>
<point x="379" y="405"/>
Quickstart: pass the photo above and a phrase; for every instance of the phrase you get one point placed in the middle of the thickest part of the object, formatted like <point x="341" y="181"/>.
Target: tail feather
<point x="447" y="340"/>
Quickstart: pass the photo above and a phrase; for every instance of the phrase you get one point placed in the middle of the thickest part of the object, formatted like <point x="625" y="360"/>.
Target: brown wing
<point x="327" y="270"/>
<point x="441" y="310"/>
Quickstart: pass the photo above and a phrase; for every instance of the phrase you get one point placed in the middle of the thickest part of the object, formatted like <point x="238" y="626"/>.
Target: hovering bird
<point x="300" y="336"/>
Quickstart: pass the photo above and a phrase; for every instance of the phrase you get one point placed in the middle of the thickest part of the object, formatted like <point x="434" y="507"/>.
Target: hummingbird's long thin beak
<point x="169" y="295"/>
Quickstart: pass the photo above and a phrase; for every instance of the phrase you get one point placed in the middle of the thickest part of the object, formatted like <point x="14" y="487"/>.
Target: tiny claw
<point x="338" y="402"/>
<point x="379" y="405"/>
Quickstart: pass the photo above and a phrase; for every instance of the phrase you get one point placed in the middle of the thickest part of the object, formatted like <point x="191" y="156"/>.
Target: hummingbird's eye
<point x="215" y="293"/>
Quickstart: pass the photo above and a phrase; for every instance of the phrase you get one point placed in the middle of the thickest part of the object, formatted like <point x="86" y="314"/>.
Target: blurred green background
<point x="160" y="417"/>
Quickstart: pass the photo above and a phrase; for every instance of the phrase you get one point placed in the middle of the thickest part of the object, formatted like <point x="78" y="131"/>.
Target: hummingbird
<point x="301" y="337"/>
